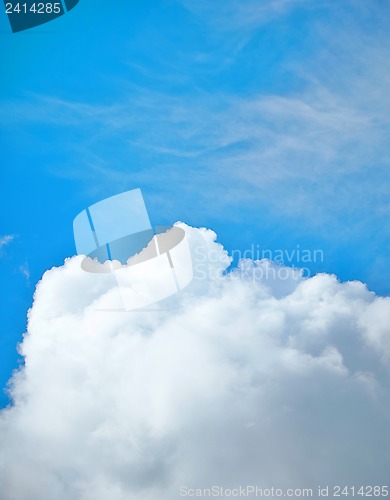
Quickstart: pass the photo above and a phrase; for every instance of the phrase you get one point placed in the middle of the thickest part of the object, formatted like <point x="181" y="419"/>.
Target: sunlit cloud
<point x="237" y="381"/>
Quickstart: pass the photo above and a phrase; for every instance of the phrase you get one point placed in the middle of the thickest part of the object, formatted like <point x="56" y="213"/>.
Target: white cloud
<point x="25" y="271"/>
<point x="6" y="240"/>
<point x="234" y="15"/>
<point x="311" y="146"/>
<point x="238" y="381"/>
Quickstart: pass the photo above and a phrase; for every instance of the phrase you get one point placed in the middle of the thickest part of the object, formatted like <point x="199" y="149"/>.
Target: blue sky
<point x="264" y="120"/>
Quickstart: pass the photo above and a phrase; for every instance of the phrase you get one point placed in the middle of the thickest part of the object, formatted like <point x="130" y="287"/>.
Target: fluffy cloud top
<point x="239" y="380"/>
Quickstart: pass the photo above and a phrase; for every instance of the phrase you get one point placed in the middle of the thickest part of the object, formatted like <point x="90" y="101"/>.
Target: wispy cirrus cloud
<point x="6" y="240"/>
<point x="25" y="271"/>
<point x="236" y="15"/>
<point x="314" y="151"/>
<point x="305" y="155"/>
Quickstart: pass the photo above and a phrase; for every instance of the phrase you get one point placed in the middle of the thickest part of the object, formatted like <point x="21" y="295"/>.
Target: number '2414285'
<point x="35" y="8"/>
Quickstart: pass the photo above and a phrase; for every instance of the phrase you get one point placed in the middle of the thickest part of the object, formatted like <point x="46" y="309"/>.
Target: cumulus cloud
<point x="242" y="379"/>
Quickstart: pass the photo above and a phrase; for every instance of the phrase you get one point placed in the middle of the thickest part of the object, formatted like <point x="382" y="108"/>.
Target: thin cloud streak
<point x="237" y="15"/>
<point x="6" y="240"/>
<point x="314" y="152"/>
